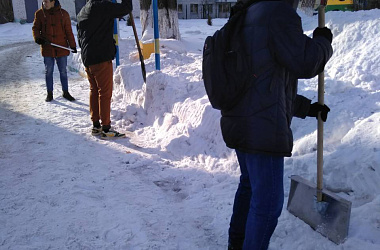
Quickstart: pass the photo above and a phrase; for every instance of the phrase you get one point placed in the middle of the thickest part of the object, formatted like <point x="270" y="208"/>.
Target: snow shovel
<point x="138" y="46"/>
<point x="324" y="211"/>
<point x="59" y="46"/>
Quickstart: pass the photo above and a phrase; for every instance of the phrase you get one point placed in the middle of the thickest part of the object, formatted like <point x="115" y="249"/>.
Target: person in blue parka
<point x="258" y="127"/>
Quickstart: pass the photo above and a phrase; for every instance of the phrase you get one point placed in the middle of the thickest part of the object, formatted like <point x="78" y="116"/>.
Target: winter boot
<point x="49" y="96"/>
<point x="67" y="96"/>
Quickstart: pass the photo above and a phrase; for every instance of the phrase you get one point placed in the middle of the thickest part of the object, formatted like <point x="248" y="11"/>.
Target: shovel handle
<point x="59" y="46"/>
<point x="321" y="101"/>
<point x="143" y="71"/>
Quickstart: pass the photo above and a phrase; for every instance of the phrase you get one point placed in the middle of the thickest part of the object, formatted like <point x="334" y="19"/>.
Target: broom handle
<point x="321" y="101"/>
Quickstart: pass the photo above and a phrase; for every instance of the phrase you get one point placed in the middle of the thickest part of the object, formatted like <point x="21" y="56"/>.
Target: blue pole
<point x="156" y="35"/>
<point x="116" y="38"/>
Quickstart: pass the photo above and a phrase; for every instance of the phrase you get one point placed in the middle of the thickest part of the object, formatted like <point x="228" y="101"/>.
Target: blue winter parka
<point x="280" y="54"/>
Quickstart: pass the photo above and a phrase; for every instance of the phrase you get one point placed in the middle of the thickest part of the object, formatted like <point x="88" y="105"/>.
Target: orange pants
<point x="100" y="77"/>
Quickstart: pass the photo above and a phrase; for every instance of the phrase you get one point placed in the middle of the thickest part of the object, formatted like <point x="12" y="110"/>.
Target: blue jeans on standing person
<point x="258" y="201"/>
<point x="49" y="69"/>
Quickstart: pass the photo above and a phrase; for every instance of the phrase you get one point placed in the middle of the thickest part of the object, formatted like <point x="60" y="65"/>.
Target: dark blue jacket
<point x="280" y="54"/>
<point x="95" y="29"/>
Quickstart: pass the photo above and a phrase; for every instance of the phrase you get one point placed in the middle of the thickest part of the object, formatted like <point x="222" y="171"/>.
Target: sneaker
<point x="96" y="131"/>
<point x="49" y="96"/>
<point x="67" y="96"/>
<point x="111" y="134"/>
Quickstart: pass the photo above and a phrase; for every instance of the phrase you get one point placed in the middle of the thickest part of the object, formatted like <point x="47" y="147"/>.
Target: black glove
<point x="315" y="108"/>
<point x="325" y="32"/>
<point x="40" y="41"/>
<point x="128" y="3"/>
<point x="73" y="50"/>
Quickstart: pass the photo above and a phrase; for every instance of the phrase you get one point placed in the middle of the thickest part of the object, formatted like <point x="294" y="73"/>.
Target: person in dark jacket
<point x="95" y="38"/>
<point x="52" y="24"/>
<point x="258" y="127"/>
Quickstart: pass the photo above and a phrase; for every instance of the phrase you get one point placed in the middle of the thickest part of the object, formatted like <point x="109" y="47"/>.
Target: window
<point x="179" y="8"/>
<point x="224" y="8"/>
<point x="194" y="8"/>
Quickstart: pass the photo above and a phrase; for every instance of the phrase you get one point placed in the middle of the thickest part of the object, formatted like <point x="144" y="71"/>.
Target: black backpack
<point x="226" y="66"/>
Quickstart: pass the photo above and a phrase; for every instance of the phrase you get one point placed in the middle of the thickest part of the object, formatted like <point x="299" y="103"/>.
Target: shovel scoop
<point x="330" y="217"/>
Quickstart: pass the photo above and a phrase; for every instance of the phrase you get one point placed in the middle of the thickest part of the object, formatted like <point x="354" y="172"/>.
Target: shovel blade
<point x="332" y="221"/>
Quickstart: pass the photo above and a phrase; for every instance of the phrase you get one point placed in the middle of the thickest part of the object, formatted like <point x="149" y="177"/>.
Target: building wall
<point x="69" y="5"/>
<point x="219" y="8"/>
<point x="187" y="8"/>
<point x="136" y="8"/>
<point x="19" y="10"/>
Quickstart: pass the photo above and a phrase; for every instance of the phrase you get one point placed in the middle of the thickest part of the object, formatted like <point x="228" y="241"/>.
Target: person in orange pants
<point x="95" y="37"/>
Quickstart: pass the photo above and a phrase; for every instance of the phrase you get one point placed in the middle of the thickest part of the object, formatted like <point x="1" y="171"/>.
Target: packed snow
<point x="170" y="184"/>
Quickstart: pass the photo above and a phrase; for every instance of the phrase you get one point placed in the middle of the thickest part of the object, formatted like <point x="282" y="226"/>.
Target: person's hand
<point x="325" y="32"/>
<point x="73" y="50"/>
<point x="40" y="41"/>
<point x="128" y="3"/>
<point x="315" y="108"/>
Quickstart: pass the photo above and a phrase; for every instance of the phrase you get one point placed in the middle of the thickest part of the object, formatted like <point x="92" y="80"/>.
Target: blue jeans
<point x="49" y="69"/>
<point x="258" y="200"/>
